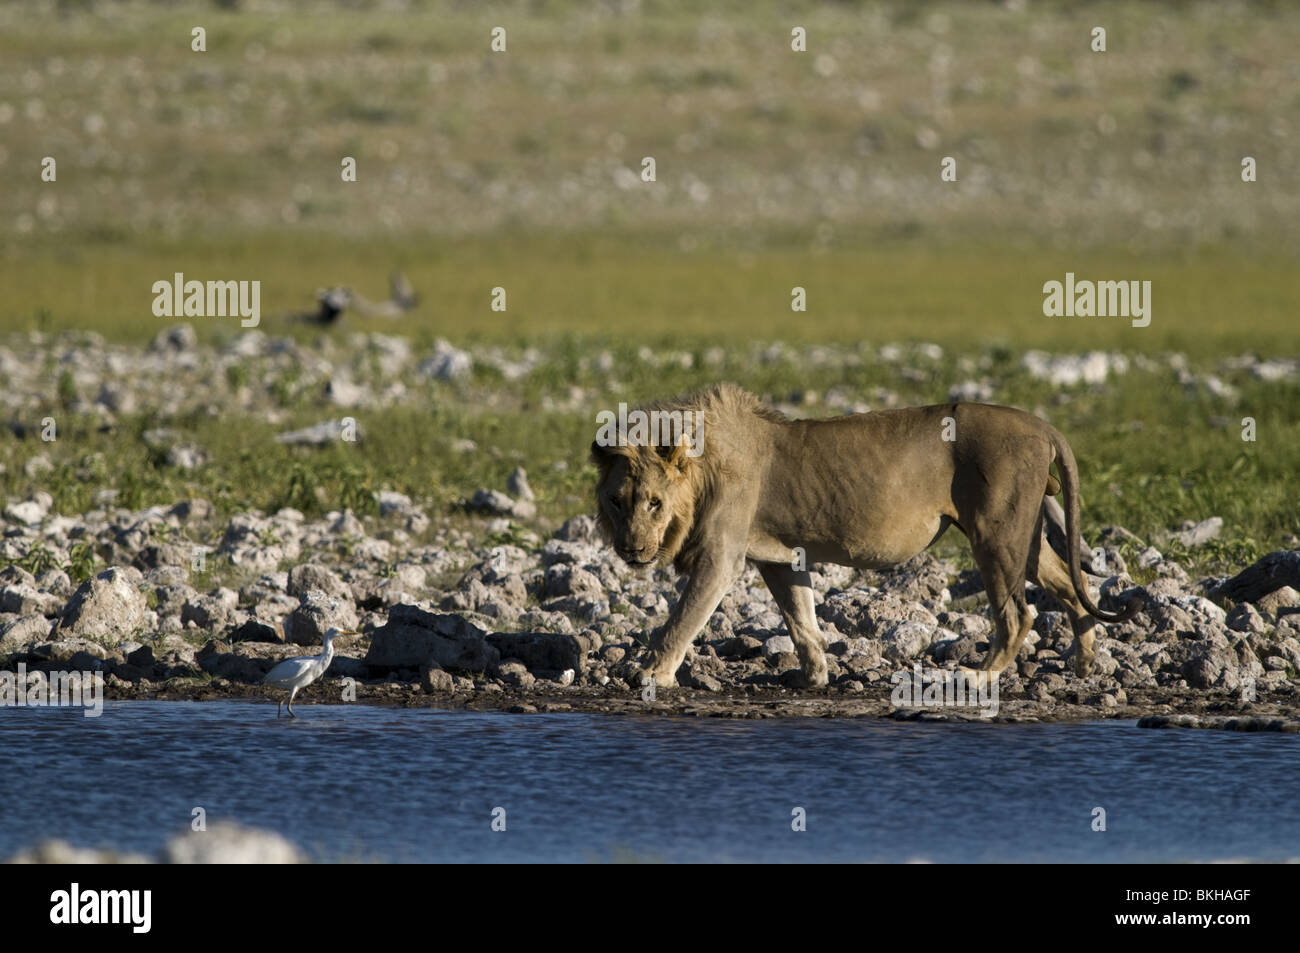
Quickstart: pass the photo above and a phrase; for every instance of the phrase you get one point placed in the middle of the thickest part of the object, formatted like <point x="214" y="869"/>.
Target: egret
<point x="296" y="673"/>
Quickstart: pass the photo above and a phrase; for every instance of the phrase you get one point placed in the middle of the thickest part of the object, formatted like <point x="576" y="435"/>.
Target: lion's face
<point x="642" y="498"/>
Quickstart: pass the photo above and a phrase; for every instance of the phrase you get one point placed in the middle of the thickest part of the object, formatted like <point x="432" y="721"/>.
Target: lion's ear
<point x="603" y="455"/>
<point x="677" y="459"/>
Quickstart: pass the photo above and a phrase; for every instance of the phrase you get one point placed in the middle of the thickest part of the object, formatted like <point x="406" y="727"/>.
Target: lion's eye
<point x="653" y="504"/>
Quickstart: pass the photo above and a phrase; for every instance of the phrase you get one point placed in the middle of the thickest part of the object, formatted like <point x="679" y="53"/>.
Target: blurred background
<point x="522" y="170"/>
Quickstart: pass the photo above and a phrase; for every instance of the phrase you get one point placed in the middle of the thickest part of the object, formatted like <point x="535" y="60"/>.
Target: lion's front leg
<point x="712" y="578"/>
<point x="793" y="593"/>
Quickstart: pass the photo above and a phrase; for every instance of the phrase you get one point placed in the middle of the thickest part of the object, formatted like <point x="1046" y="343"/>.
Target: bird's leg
<point x="278" y="706"/>
<point x="292" y="692"/>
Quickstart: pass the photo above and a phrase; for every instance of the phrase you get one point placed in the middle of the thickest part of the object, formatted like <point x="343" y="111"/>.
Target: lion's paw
<point x="640" y="673"/>
<point x="662" y="675"/>
<point x="799" y="679"/>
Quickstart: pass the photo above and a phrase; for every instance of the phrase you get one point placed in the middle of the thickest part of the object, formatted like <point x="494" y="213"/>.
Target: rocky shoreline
<point x="448" y="619"/>
<point x="1160" y="708"/>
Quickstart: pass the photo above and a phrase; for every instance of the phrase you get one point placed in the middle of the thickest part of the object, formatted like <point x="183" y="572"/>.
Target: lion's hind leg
<point x="1052" y="574"/>
<point x="793" y="593"/>
<point x="1002" y="560"/>
<point x="1012" y="619"/>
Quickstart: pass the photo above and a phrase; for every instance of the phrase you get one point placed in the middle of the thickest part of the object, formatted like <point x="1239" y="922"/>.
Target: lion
<point x="866" y="490"/>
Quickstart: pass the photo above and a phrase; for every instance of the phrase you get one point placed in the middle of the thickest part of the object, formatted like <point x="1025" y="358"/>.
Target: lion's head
<point x="645" y="500"/>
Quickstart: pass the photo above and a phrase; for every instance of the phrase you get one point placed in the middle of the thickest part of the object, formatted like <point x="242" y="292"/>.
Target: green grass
<point x="1150" y="454"/>
<point x="1206" y="302"/>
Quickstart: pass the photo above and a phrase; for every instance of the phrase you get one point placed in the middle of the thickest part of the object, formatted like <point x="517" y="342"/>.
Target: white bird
<point x="296" y="673"/>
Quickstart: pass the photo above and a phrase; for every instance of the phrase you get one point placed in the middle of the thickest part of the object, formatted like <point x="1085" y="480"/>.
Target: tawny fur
<point x="865" y="490"/>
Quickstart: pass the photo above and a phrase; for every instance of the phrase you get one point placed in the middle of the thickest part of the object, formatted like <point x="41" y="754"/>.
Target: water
<point x="360" y="783"/>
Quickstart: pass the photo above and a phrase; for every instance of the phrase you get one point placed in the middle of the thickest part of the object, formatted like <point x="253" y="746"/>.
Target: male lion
<point x="866" y="490"/>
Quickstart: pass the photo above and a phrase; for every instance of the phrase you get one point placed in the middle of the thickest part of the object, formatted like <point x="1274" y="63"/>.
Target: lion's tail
<point x="1070" y="483"/>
